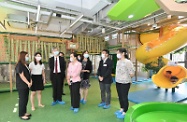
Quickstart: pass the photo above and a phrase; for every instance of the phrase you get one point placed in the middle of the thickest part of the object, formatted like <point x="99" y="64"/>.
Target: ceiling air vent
<point x="17" y="21"/>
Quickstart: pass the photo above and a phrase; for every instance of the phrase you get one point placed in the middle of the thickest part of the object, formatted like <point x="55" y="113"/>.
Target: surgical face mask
<point x="26" y="58"/>
<point x="103" y="56"/>
<point x="38" y="58"/>
<point x="71" y="59"/>
<point x="119" y="56"/>
<point x="86" y="55"/>
<point x="56" y="53"/>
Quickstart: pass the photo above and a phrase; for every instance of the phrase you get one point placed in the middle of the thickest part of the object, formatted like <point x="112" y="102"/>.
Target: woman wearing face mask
<point x="124" y="74"/>
<point x="86" y="71"/>
<point x="23" y="83"/>
<point x="38" y="79"/>
<point x="73" y="79"/>
<point x="79" y="57"/>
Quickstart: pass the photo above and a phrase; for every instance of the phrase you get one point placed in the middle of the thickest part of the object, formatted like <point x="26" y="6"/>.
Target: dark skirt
<point x="85" y="84"/>
<point x="37" y="83"/>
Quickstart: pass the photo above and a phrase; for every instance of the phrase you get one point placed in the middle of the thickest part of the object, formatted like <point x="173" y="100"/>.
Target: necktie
<point x="56" y="66"/>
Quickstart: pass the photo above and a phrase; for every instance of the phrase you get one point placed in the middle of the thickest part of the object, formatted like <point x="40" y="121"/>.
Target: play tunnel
<point x="162" y="81"/>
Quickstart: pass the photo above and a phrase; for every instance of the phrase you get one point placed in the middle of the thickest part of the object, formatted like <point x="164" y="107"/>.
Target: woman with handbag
<point x="86" y="71"/>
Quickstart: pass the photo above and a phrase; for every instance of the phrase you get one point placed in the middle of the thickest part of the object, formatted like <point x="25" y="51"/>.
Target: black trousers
<point x="57" y="86"/>
<point x="63" y="85"/>
<point x="23" y="100"/>
<point x="75" y="94"/>
<point x="123" y="90"/>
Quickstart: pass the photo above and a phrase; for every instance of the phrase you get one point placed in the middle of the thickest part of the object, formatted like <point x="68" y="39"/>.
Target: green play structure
<point x="137" y="9"/>
<point x="157" y="112"/>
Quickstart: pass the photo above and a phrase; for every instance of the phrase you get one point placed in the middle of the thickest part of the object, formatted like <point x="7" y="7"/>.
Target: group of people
<point x="32" y="77"/>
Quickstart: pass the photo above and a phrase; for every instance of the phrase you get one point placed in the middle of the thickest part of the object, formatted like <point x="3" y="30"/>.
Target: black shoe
<point x="63" y="94"/>
<point x="28" y="115"/>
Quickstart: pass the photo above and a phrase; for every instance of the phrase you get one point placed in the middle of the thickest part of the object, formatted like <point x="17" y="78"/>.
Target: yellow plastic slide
<point x="171" y="38"/>
<point x="161" y="80"/>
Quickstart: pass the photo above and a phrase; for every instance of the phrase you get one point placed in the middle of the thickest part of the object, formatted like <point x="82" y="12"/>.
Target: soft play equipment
<point x="172" y="38"/>
<point x="157" y="112"/>
<point x="161" y="80"/>
<point x="130" y="10"/>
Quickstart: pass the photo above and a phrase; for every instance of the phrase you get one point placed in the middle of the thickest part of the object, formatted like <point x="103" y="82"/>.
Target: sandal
<point x="33" y="108"/>
<point x="41" y="105"/>
<point x="25" y="118"/>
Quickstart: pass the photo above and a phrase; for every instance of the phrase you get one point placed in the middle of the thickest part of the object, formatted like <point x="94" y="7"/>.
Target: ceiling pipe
<point x="38" y="13"/>
<point x="71" y="25"/>
<point x="54" y="15"/>
<point x="49" y="19"/>
<point x="2" y="25"/>
<point x="21" y="8"/>
<point x="37" y="18"/>
<point x="137" y="22"/>
<point x="47" y="7"/>
<point x="28" y="18"/>
<point x="76" y="21"/>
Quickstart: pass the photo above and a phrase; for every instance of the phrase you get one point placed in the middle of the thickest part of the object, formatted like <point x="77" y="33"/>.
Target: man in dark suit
<point x="57" y="70"/>
<point x="105" y="79"/>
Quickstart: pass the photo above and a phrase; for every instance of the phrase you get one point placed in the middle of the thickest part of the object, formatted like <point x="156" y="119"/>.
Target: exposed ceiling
<point x="62" y="18"/>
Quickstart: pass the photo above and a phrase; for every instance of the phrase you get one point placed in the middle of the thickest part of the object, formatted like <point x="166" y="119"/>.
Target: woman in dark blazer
<point x="86" y="71"/>
<point x="23" y="83"/>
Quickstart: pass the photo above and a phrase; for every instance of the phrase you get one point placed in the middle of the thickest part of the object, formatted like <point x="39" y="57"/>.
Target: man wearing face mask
<point x="105" y="79"/>
<point x="57" y="70"/>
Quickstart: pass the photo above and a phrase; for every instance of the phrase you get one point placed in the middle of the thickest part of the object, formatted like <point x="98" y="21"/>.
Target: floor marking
<point x="16" y="104"/>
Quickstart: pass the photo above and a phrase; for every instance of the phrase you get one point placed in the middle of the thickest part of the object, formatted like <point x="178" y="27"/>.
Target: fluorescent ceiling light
<point x="131" y="16"/>
<point x="76" y="20"/>
<point x="3" y="26"/>
<point x="180" y="17"/>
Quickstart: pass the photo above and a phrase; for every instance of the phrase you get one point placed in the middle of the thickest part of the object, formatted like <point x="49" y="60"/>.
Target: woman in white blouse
<point x="124" y="74"/>
<point x="38" y="79"/>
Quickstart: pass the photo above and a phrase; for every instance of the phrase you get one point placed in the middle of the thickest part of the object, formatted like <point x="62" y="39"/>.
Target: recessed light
<point x="131" y="16"/>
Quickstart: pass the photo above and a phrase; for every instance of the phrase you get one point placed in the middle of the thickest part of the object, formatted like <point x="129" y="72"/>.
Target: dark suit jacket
<point x="62" y="66"/>
<point x="105" y="71"/>
<point x="86" y="75"/>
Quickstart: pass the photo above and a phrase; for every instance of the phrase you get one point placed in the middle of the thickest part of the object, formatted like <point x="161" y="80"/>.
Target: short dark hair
<point x="74" y="54"/>
<point x="169" y="72"/>
<point x="107" y="51"/>
<point x="61" y="53"/>
<point x="40" y="62"/>
<point x="123" y="50"/>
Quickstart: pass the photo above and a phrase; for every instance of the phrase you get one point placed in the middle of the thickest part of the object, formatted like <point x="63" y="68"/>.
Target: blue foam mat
<point x="158" y="95"/>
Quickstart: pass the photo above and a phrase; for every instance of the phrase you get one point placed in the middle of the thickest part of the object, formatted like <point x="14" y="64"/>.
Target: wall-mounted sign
<point x="71" y="45"/>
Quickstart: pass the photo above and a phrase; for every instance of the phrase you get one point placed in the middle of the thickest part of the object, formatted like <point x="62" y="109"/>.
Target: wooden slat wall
<point x="92" y="44"/>
<point x="16" y="43"/>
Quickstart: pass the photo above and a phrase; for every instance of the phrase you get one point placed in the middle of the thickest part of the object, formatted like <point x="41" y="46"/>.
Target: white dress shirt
<point x="58" y="65"/>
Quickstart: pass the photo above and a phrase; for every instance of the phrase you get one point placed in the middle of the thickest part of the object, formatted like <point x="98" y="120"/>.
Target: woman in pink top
<point x="73" y="79"/>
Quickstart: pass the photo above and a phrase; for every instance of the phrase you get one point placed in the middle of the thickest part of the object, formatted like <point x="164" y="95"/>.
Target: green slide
<point x="157" y="112"/>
